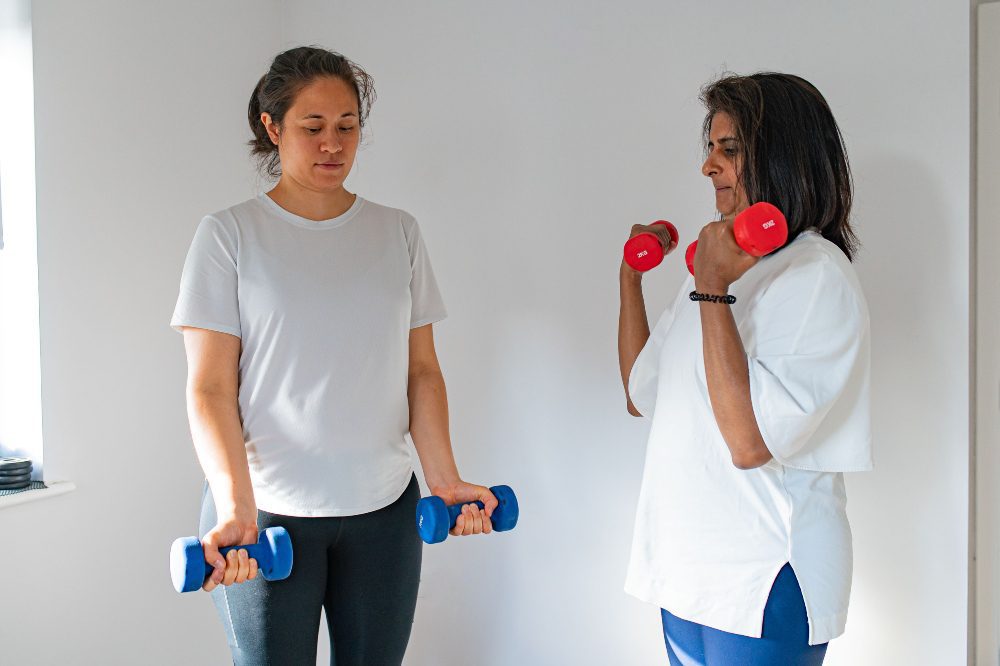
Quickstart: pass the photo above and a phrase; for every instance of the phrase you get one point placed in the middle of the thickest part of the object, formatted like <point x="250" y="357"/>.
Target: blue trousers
<point x="783" y="642"/>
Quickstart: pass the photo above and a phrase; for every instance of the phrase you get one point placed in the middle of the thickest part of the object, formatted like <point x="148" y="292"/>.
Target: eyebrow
<point x="725" y="139"/>
<point x="320" y="116"/>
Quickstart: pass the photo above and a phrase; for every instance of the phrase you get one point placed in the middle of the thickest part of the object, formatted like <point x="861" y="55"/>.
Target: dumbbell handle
<point x="455" y="510"/>
<point x="258" y="551"/>
<point x="671" y="229"/>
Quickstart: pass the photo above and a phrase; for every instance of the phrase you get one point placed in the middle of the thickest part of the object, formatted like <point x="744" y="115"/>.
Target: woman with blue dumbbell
<point x="757" y="383"/>
<point x="307" y="316"/>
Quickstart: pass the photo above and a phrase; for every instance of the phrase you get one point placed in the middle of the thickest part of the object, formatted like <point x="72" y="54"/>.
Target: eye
<point x="312" y="130"/>
<point x="731" y="152"/>
<point x="347" y="129"/>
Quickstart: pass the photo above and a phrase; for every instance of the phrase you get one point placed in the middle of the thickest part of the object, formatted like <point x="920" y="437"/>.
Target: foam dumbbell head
<point x="277" y="544"/>
<point x="184" y="565"/>
<point x="505" y="516"/>
<point x="644" y="252"/>
<point x="432" y="519"/>
<point x="689" y="256"/>
<point x="760" y="229"/>
<point x="189" y="570"/>
<point x="435" y="518"/>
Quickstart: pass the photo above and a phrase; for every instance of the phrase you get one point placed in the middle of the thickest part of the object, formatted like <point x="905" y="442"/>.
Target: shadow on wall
<point x="913" y="271"/>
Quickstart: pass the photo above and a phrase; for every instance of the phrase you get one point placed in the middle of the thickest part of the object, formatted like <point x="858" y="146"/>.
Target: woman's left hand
<point x="472" y="520"/>
<point x="719" y="261"/>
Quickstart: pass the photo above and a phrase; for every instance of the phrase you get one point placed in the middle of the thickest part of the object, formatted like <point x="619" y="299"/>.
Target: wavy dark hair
<point x="792" y="151"/>
<point x="290" y="72"/>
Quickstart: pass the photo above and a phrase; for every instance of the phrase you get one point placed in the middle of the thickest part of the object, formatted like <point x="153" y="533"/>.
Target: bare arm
<point x="633" y="326"/>
<point x="429" y="411"/>
<point x="729" y="385"/>
<point x="429" y="430"/>
<point x="213" y="412"/>
<point x="718" y="263"/>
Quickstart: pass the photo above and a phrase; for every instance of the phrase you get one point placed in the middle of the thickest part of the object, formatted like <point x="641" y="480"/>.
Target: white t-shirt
<point x="710" y="538"/>
<point x="324" y="310"/>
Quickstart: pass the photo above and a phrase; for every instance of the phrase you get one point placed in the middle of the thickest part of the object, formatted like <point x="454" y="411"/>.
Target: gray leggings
<point x="363" y="570"/>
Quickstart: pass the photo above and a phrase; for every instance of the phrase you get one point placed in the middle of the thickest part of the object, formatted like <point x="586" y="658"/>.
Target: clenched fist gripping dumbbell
<point x="759" y="230"/>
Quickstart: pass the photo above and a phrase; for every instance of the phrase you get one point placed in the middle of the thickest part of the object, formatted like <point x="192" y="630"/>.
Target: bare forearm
<point x="218" y="441"/>
<point x="729" y="386"/>
<point x="429" y="427"/>
<point x="633" y="326"/>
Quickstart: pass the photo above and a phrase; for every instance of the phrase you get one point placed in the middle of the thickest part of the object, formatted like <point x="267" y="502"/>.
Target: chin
<point x="328" y="186"/>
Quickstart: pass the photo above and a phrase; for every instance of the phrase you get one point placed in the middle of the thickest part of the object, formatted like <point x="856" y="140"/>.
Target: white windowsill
<point x="54" y="489"/>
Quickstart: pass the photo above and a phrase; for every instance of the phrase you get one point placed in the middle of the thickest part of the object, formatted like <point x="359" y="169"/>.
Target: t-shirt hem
<point x="334" y="511"/>
<point x="826" y="469"/>
<point x="821" y="630"/>
<point x="825" y="629"/>
<point x="808" y="463"/>
<point x="178" y="324"/>
<point x="644" y="408"/>
<point x="428" y="320"/>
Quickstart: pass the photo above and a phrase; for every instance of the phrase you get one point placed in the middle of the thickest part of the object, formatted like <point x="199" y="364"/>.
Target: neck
<point x="311" y="204"/>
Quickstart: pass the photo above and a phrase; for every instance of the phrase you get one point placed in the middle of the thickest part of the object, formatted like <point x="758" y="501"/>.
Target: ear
<point x="270" y="126"/>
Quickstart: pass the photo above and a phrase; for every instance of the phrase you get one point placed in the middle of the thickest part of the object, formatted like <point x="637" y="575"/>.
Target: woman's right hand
<point x="662" y="235"/>
<point x="237" y="566"/>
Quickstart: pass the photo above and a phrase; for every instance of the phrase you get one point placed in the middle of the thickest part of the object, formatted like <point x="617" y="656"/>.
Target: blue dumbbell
<point x="189" y="570"/>
<point x="435" y="518"/>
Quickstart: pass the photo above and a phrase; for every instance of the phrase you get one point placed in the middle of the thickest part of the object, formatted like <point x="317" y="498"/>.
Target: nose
<point x="711" y="167"/>
<point x="331" y="141"/>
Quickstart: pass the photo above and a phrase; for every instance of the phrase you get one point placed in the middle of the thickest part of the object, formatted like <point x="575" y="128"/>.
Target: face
<point x="318" y="138"/>
<point x="723" y="166"/>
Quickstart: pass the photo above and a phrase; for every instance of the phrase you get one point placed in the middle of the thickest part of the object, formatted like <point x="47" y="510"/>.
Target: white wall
<point x="138" y="134"/>
<point x="527" y="138"/>
<point x="988" y="332"/>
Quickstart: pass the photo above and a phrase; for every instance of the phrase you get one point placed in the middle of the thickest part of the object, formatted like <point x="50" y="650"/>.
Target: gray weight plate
<point x="11" y="464"/>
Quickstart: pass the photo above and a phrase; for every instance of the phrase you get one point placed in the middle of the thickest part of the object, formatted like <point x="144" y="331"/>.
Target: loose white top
<point x="323" y="310"/>
<point x="710" y="538"/>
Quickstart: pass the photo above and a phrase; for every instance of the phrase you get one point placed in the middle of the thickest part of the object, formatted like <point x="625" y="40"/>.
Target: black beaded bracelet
<point x="728" y="299"/>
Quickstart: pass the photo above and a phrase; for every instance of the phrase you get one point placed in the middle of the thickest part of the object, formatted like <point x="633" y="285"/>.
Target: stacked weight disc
<point x="15" y="473"/>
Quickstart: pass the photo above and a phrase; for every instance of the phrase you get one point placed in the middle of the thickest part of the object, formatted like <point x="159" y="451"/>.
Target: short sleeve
<point x="209" y="284"/>
<point x="809" y="368"/>
<point x="427" y="306"/>
<point x="644" y="378"/>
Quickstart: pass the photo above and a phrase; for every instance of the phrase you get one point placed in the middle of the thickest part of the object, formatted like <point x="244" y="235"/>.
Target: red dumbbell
<point x="760" y="229"/>
<point x="644" y="252"/>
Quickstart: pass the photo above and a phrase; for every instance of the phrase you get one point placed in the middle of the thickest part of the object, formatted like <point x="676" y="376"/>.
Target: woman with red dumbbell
<point x="757" y="383"/>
